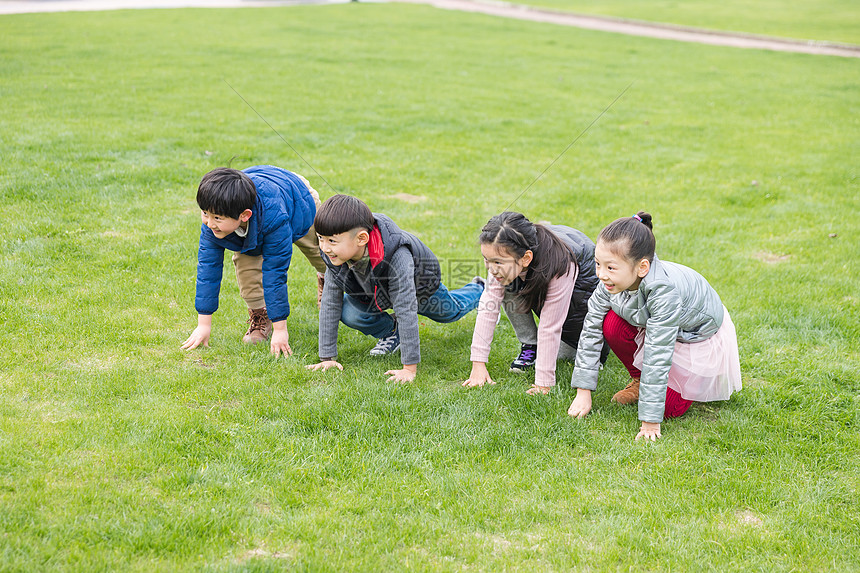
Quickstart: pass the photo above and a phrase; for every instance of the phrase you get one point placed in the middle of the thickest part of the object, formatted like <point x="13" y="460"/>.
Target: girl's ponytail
<point x="632" y="237"/>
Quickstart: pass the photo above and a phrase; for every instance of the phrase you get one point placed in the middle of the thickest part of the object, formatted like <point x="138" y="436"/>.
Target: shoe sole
<point x="521" y="370"/>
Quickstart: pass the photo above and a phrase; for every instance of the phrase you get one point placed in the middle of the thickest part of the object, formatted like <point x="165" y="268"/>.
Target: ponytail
<point x="632" y="237"/>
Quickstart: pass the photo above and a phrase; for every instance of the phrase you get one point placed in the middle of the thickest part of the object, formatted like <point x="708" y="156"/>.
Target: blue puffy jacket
<point x="284" y="213"/>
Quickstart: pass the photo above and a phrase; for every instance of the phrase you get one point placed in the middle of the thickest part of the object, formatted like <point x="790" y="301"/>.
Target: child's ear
<point x="362" y="238"/>
<point x="245" y="215"/>
<point x="527" y="258"/>
<point x="642" y="268"/>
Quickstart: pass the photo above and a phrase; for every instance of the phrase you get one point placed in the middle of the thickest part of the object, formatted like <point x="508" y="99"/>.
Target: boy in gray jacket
<point x="374" y="266"/>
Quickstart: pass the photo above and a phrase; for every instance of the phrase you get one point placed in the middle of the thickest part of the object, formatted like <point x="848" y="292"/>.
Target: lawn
<point x="121" y="452"/>
<point x="821" y="20"/>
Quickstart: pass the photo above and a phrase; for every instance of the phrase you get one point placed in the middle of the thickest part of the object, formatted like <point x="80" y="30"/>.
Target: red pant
<point x="621" y="337"/>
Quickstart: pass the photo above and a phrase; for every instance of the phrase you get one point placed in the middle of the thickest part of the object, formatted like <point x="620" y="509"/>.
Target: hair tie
<point x="637" y="217"/>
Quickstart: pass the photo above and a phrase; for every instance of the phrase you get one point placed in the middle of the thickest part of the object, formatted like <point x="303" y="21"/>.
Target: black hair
<point x="341" y="213"/>
<point x="631" y="237"/>
<point x="551" y="256"/>
<point x="225" y="191"/>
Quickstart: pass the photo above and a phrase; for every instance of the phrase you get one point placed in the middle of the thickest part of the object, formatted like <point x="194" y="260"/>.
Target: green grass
<point x="119" y="451"/>
<point x="822" y="20"/>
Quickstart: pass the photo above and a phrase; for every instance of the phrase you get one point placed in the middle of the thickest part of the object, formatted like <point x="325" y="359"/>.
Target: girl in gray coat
<point x="663" y="321"/>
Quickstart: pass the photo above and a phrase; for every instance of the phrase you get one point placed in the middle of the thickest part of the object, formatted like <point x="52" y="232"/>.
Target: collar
<point x="375" y="248"/>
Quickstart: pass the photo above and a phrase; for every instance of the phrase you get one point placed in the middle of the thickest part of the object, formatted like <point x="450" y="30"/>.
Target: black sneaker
<point x="387" y="345"/>
<point x="526" y="359"/>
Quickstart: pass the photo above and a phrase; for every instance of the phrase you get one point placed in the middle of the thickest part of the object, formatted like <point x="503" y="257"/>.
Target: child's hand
<point x="198" y="337"/>
<point x="407" y="374"/>
<point x="535" y="389"/>
<point x="479" y="376"/>
<point x="325" y="365"/>
<point x="281" y="343"/>
<point x="649" y="431"/>
<point x="581" y="405"/>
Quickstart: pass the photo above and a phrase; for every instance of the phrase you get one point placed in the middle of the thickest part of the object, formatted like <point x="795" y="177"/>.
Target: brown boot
<point x="630" y="394"/>
<point x="260" y="327"/>
<point x="320" y="285"/>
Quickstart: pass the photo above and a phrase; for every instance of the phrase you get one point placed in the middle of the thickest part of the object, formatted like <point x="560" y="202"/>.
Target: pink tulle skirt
<point x="703" y="371"/>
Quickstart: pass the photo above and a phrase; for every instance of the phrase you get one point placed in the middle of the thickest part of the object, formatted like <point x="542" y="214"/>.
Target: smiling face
<point x="221" y="225"/>
<point x="615" y="271"/>
<point x="504" y="265"/>
<point x="344" y="247"/>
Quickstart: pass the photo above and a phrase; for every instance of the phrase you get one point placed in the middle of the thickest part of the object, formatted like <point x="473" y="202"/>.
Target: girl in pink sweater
<point x="547" y="270"/>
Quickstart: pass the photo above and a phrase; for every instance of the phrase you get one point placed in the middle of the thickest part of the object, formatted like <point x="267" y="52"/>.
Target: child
<point x="373" y="266"/>
<point x="547" y="270"/>
<point x="663" y="321"/>
<point x="258" y="213"/>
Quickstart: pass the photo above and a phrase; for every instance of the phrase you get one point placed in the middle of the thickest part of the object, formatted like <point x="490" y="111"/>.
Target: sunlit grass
<point x="119" y="451"/>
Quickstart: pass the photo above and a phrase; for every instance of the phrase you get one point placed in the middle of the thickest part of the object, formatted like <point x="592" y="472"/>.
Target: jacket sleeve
<point x="277" y="251"/>
<point x="404" y="301"/>
<point x="661" y="331"/>
<point x="331" y="307"/>
<point x="210" y="266"/>
<point x="591" y="341"/>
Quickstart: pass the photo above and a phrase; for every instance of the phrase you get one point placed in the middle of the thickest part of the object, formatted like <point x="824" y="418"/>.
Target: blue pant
<point x="442" y="306"/>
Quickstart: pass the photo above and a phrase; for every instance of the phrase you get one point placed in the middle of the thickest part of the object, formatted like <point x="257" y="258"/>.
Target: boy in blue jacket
<point x="258" y="213"/>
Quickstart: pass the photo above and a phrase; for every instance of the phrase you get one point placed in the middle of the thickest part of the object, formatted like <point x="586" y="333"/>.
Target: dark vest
<point x="427" y="277"/>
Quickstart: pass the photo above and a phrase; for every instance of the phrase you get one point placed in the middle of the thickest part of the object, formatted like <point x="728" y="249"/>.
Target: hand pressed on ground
<point x="201" y="333"/>
<point x="649" y="431"/>
<point x="479" y="376"/>
<point x="280" y="340"/>
<point x="325" y="365"/>
<point x="405" y="374"/>
<point x="535" y="389"/>
<point x="581" y="405"/>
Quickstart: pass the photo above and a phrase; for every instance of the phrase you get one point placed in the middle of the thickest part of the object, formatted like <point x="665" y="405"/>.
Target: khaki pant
<point x="249" y="269"/>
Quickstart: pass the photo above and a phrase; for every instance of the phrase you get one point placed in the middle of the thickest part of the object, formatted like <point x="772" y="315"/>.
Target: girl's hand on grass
<point x="406" y="374"/>
<point x="479" y="376"/>
<point x="649" y="431"/>
<point x="325" y="365"/>
<point x="581" y="405"/>
<point x="198" y="337"/>
<point x="535" y="389"/>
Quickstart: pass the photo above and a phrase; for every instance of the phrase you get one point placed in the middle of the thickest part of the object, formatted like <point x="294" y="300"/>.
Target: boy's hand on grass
<point x="581" y="405"/>
<point x="325" y="365"/>
<point x="198" y="337"/>
<point x="280" y="339"/>
<point x="281" y="343"/>
<point x="406" y="374"/>
<point x="649" y="431"/>
<point x="479" y="376"/>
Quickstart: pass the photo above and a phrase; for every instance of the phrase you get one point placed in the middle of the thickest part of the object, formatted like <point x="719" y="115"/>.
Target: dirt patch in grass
<point x="409" y="198"/>
<point x="219" y="405"/>
<point x="260" y="553"/>
<point x="749" y="518"/>
<point x="771" y="258"/>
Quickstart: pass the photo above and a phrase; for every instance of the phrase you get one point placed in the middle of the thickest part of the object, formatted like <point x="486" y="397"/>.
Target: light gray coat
<point x="673" y="302"/>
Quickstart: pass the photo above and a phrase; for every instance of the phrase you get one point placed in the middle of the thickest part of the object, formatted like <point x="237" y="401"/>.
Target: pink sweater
<point x="552" y="318"/>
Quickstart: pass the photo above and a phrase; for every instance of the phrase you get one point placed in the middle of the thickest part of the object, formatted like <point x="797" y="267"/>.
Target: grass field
<point x="119" y="451"/>
<point x="822" y="20"/>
